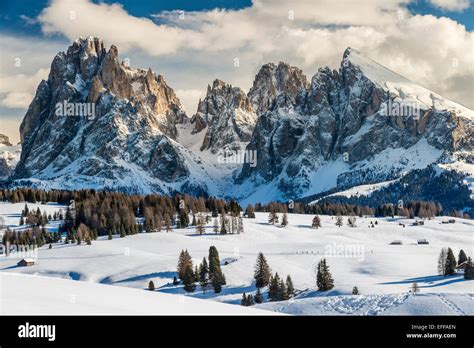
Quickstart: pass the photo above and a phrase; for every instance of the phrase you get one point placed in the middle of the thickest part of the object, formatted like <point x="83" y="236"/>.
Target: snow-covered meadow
<point x="358" y="256"/>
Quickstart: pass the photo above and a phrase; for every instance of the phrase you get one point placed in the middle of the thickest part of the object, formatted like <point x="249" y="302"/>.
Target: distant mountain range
<point x="98" y="123"/>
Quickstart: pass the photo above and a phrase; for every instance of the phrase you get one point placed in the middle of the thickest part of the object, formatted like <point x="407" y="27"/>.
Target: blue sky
<point x="12" y="11"/>
<point x="434" y="49"/>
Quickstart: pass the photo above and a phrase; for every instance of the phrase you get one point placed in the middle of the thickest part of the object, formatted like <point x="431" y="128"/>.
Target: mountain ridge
<point x="308" y="136"/>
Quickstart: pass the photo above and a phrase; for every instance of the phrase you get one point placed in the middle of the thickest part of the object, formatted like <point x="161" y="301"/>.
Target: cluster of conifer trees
<point x="447" y="263"/>
<point x="207" y="274"/>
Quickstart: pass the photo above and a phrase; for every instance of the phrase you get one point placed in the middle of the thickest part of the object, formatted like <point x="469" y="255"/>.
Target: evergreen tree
<point x="188" y="279"/>
<point x="339" y="222"/>
<point x="243" y="302"/>
<point x="151" y="286"/>
<point x="469" y="270"/>
<point x="462" y="257"/>
<point x="355" y="290"/>
<point x="223" y="223"/>
<point x="316" y="222"/>
<point x="290" y="289"/>
<point x="258" y="296"/>
<point x="324" y="279"/>
<point x="196" y="274"/>
<point x="282" y="292"/>
<point x="216" y="276"/>
<point x="273" y="288"/>
<point x="183" y="262"/>
<point x="183" y="218"/>
<point x="284" y="220"/>
<point x="110" y="235"/>
<point x="203" y="274"/>
<point x="262" y="272"/>
<point x="22" y="221"/>
<point x="450" y="262"/>
<point x="215" y="228"/>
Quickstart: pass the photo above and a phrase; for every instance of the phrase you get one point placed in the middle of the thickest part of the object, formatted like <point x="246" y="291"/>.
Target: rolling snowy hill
<point x="359" y="256"/>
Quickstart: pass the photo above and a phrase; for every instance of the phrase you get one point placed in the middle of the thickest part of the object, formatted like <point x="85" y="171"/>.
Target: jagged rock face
<point x="277" y="86"/>
<point x="340" y="114"/>
<point x="131" y="120"/>
<point x="337" y="128"/>
<point x="229" y="116"/>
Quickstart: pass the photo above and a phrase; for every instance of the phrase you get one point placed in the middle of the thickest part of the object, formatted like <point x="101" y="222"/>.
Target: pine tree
<point x="151" y="286"/>
<point x="188" y="279"/>
<point x="273" y="288"/>
<point x="339" y="222"/>
<point x="290" y="289"/>
<point x="258" y="296"/>
<point x="262" y="272"/>
<point x="450" y="262"/>
<point x="216" y="276"/>
<point x="216" y="226"/>
<point x="243" y="302"/>
<point x="324" y="279"/>
<point x="462" y="257"/>
<point x="22" y="221"/>
<point x="203" y="274"/>
<point x="110" y="235"/>
<point x="316" y="222"/>
<point x="183" y="218"/>
<point x="355" y="290"/>
<point x="282" y="292"/>
<point x="284" y="220"/>
<point x="469" y="270"/>
<point x="183" y="262"/>
<point x="196" y="274"/>
<point x="223" y="223"/>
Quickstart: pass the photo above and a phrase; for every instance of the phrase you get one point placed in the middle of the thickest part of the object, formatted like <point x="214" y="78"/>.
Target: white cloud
<point x="17" y="91"/>
<point x="308" y="33"/>
<point x="191" y="52"/>
<point x="451" y="5"/>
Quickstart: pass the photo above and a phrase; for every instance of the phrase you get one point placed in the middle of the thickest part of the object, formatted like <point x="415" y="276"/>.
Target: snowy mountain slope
<point x="402" y="88"/>
<point x="368" y="261"/>
<point x="333" y="133"/>
<point x="20" y="296"/>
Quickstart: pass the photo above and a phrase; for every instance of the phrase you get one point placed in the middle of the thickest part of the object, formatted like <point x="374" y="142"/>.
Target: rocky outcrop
<point x="341" y="115"/>
<point x="130" y="123"/>
<point x="228" y="114"/>
<point x="343" y="128"/>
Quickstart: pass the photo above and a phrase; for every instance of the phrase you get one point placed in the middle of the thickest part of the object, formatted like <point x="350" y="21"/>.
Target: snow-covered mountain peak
<point x="399" y="87"/>
<point x="277" y="86"/>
